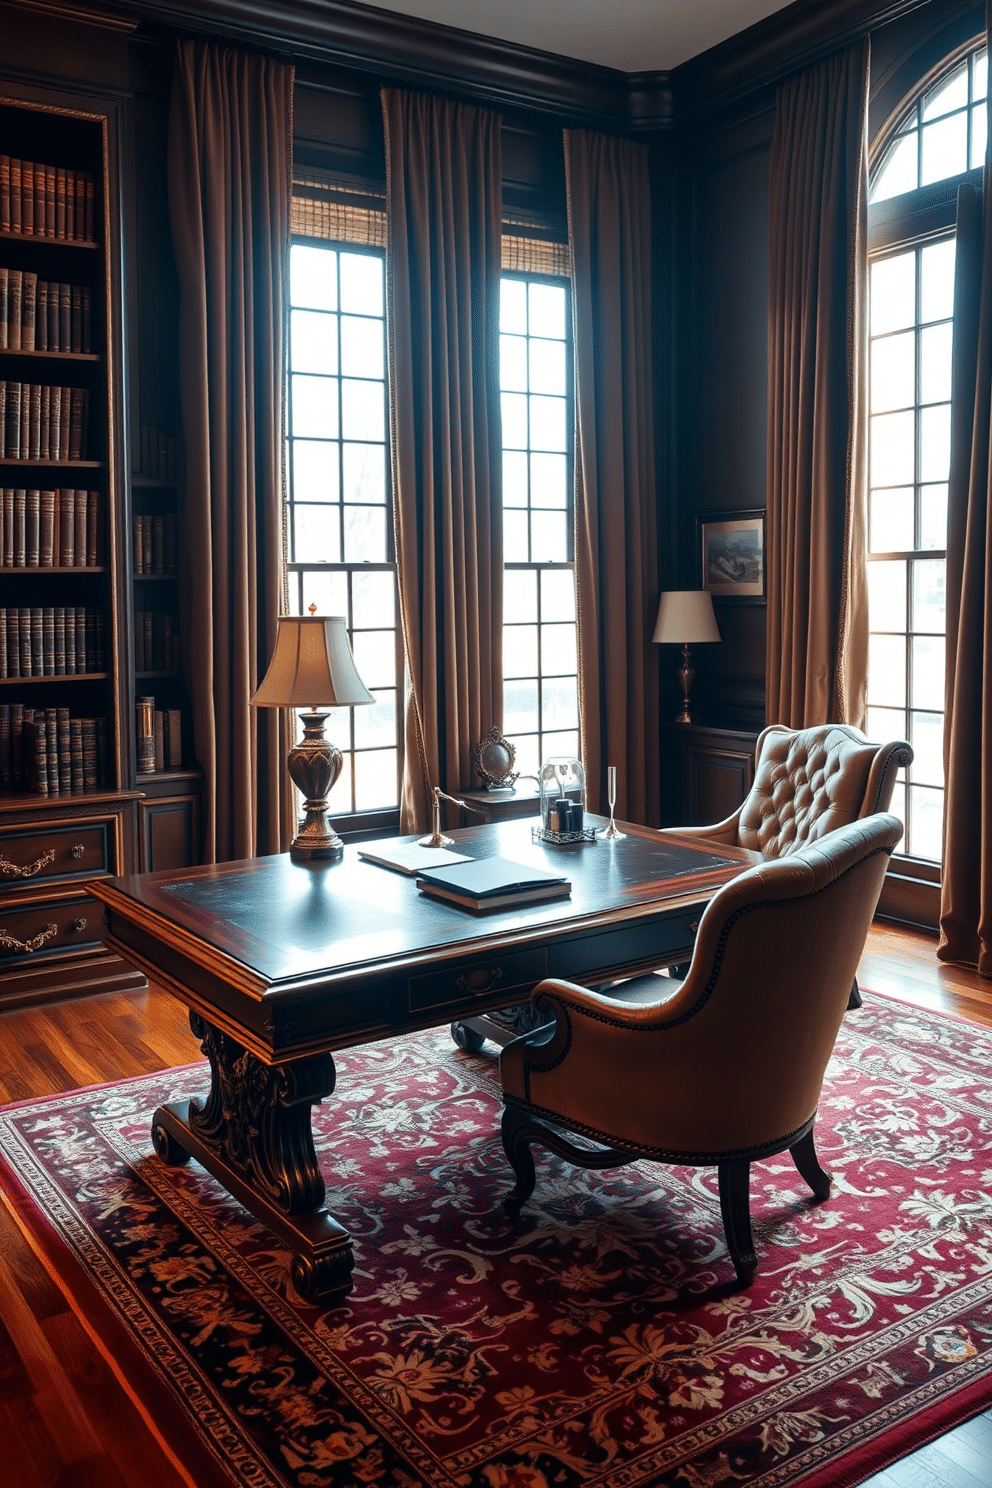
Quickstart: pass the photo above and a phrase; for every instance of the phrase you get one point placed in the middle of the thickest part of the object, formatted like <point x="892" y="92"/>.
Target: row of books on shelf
<point x="159" y="737"/>
<point x="157" y="459"/>
<point x="155" y="543"/>
<point x="43" y="423"/>
<point x="156" y="641"/>
<point x="50" y="529"/>
<point x="43" y="315"/>
<point x="51" y="641"/>
<point x="46" y="751"/>
<point x="46" y="201"/>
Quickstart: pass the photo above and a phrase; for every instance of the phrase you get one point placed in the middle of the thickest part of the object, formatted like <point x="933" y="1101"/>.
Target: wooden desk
<point x="280" y="964"/>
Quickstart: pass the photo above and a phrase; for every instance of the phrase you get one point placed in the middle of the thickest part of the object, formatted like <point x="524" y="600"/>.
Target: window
<point x="340" y="529"/>
<point x="910" y="330"/>
<point x="540" y="671"/>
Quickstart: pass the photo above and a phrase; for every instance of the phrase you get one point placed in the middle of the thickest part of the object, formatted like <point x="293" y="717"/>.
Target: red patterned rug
<point x="597" y="1342"/>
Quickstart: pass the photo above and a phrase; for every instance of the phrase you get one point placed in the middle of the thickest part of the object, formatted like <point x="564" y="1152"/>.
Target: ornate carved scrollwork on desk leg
<point x="257" y="1118"/>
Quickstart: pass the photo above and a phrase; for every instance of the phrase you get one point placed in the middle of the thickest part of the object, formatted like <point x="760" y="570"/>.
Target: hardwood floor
<point x="65" y="1418"/>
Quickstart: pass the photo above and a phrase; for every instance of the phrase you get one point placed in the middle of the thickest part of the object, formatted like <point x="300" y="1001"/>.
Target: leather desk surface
<point x="290" y="959"/>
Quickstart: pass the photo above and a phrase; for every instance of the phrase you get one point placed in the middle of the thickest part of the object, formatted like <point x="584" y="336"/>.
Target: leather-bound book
<point x="52" y="740"/>
<point x="49" y="201"/>
<point x="13" y="423"/>
<point x="55" y="423"/>
<point x="60" y="640"/>
<point x="6" y="772"/>
<point x="77" y="427"/>
<point x="137" y="544"/>
<point x="29" y="309"/>
<point x="70" y="205"/>
<point x="53" y="316"/>
<point x="82" y="652"/>
<point x="40" y="172"/>
<point x="90" y="754"/>
<point x="34" y="421"/>
<point x="48" y="640"/>
<point x="25" y="421"/>
<point x="67" y="528"/>
<point x="13" y="641"/>
<point x="77" y="317"/>
<point x="15" y="294"/>
<point x="89" y="231"/>
<point x="70" y="641"/>
<point x="35" y="737"/>
<point x="65" y="751"/>
<point x="27" y="198"/>
<point x="46" y="423"/>
<point x="15" y="195"/>
<point x="94" y="546"/>
<point x="3" y="418"/>
<point x="20" y="528"/>
<point x="65" y="411"/>
<point x="41" y="316"/>
<point x="65" y="317"/>
<point x="17" y="744"/>
<point x="3" y="640"/>
<point x="76" y="756"/>
<point x="4" y="193"/>
<point x="60" y="189"/>
<point x="32" y="529"/>
<point x="46" y="529"/>
<point x="159" y="739"/>
<point x="158" y="543"/>
<point x="147" y="546"/>
<point x="3" y="307"/>
<point x="150" y="639"/>
<point x="37" y="641"/>
<point x="80" y="543"/>
<point x="174" y="739"/>
<point x="87" y="319"/>
<point x="24" y="615"/>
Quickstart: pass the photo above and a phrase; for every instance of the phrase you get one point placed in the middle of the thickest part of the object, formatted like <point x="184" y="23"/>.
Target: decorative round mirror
<point x="493" y="760"/>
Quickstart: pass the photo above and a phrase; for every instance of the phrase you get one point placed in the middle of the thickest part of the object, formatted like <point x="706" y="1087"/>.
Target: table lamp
<point x="685" y="617"/>
<point x="312" y="668"/>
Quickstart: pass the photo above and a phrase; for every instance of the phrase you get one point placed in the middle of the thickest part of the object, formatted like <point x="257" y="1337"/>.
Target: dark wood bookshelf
<point x="51" y="356"/>
<point x="53" y="464"/>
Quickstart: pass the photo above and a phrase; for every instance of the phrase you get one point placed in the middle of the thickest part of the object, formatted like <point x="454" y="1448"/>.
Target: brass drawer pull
<point x="77" y="849"/>
<point x="11" y="943"/>
<point x="480" y="980"/>
<point x="693" y="926"/>
<point x="30" y="869"/>
<point x="79" y="924"/>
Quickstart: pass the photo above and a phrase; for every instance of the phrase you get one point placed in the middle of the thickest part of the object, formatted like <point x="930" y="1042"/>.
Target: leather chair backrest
<point x="808" y="782"/>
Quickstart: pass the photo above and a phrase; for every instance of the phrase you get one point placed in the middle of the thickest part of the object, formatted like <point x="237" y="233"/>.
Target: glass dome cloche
<point x="563" y="801"/>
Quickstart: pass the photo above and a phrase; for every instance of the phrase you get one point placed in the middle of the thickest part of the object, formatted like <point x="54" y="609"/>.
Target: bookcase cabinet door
<point x="169" y="823"/>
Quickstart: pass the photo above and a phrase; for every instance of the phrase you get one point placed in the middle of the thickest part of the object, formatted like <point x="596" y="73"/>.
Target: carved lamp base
<point x="686" y="673"/>
<point x="314" y="766"/>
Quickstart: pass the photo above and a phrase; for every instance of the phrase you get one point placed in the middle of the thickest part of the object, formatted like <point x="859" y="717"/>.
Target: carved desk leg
<point x="253" y="1134"/>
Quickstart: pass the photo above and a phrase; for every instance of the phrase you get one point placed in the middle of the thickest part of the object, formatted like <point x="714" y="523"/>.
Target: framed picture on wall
<point x="733" y="556"/>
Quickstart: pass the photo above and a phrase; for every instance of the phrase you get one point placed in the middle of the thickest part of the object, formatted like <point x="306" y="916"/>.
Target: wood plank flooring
<point x="64" y="1417"/>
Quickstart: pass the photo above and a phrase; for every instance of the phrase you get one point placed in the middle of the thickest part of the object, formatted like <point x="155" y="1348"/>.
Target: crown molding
<point x="77" y="10"/>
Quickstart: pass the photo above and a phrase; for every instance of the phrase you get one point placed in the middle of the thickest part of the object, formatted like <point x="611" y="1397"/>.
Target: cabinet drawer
<point x="499" y="973"/>
<point x="43" y="853"/>
<point x="38" y="930"/>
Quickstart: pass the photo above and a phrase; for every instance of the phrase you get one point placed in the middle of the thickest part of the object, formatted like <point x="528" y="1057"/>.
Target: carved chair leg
<point x="805" y="1158"/>
<point x="734" y="1177"/>
<point x="516" y="1145"/>
<point x="854" y="1001"/>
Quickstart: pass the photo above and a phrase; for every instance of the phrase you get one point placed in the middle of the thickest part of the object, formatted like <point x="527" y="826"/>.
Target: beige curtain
<point x="230" y="144"/>
<point x="616" y="544"/>
<point x="817" y="623"/>
<point x="966" y="881"/>
<point x="443" y="189"/>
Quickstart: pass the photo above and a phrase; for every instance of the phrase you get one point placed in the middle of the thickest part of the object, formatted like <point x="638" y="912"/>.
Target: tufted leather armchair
<point x="729" y="1069"/>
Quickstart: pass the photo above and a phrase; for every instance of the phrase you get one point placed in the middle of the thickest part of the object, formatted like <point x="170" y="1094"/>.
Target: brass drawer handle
<point x="480" y="980"/>
<point x="693" y="926"/>
<point x="11" y="943"/>
<point x="30" y="869"/>
<point x="77" y="849"/>
<point x="79" y="924"/>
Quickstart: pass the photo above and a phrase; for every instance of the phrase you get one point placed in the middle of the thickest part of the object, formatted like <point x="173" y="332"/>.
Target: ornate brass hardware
<point x="11" y="943"/>
<point x="480" y="980"/>
<point x="693" y="926"/>
<point x="79" y="924"/>
<point x="30" y="869"/>
<point x="77" y="849"/>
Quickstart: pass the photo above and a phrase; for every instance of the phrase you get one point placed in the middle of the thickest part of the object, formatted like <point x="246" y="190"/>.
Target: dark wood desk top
<point x="287" y="954"/>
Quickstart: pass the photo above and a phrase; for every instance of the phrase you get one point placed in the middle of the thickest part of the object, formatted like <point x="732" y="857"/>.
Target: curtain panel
<point x="616" y="541"/>
<point x="966" y="879"/>
<point x="230" y="174"/>
<point x="816" y="662"/>
<point x="443" y="255"/>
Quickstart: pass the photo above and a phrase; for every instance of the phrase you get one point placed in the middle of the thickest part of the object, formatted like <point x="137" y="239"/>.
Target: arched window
<point x="937" y="141"/>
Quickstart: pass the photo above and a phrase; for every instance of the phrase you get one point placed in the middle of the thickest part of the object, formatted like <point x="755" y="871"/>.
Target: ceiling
<point x="632" y="35"/>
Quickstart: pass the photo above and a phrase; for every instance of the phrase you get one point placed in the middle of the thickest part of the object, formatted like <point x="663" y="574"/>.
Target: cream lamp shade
<point x="312" y="668"/>
<point x="685" y="616"/>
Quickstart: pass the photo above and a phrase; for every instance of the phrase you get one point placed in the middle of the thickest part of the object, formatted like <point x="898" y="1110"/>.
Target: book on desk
<point x="487" y="884"/>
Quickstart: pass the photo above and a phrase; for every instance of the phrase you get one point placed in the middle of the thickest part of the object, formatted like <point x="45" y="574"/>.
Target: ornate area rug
<point x="596" y="1342"/>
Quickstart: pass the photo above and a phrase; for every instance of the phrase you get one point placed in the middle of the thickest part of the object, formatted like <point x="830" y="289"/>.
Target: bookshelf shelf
<point x="51" y="356"/>
<point x="59" y="677"/>
<point x="42" y="241"/>
<point x="40" y="569"/>
<point x="53" y="464"/>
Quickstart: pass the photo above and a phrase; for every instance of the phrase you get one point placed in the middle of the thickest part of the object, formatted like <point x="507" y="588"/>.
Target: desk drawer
<point x="663" y="943"/>
<point x="44" y="852"/>
<point x="33" y="930"/>
<point x="507" y="974"/>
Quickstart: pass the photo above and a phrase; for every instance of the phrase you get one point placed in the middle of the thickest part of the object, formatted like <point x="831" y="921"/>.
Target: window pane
<point x="548" y="537"/>
<point x="362" y="410"/>
<point x="928" y="672"/>
<point x="892" y="521"/>
<point x="893" y="293"/>
<point x="547" y="367"/>
<point x="933" y="516"/>
<point x="937" y="281"/>
<point x="375" y="657"/>
<point x="892" y="449"/>
<point x="886" y="723"/>
<point x="328" y="591"/>
<point x="373" y="599"/>
<point x="314" y="341"/>
<point x="520" y="651"/>
<point x="980" y="76"/>
<point x="520" y="593"/>
<point x="928" y="595"/>
<point x="365" y="536"/>
<point x="361" y="284"/>
<point x="339" y="800"/>
<point x="375" y="779"/>
<point x="547" y="311"/>
<point x="887" y="595"/>
<point x="559" y="705"/>
<point x="561" y="743"/>
<point x="315" y="407"/>
<point x="899" y="170"/>
<point x="513" y="363"/>
<point x="887" y="671"/>
<point x="935" y="363"/>
<point x="893" y="372"/>
<point x="558" y="594"/>
<point x="513" y="306"/>
<point x="514" y="406"/>
<point x="950" y="94"/>
<point x="979" y="135"/>
<point x="945" y="149"/>
<point x="514" y="478"/>
<point x="516" y="533"/>
<point x="315" y="471"/>
<point x="558" y="651"/>
<point x="312" y="277"/>
<point x="361" y="347"/>
<point x="926" y="734"/>
<point x="547" y="424"/>
<point x="375" y="725"/>
<point x="519" y="706"/>
<point x="364" y="472"/>
<point x="935" y="442"/>
<point x="527" y="752"/>
<point x="315" y="530"/>
<point x="926" y="813"/>
<point x="548" y="480"/>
